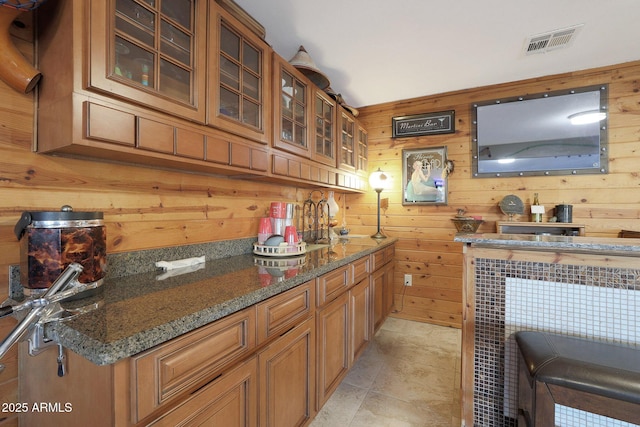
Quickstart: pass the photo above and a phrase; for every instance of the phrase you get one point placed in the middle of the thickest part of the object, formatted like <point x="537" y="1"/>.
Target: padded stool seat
<point x="588" y="375"/>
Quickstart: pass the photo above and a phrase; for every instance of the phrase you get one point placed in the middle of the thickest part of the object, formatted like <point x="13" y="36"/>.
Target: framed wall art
<point x="424" y="176"/>
<point x="424" y="124"/>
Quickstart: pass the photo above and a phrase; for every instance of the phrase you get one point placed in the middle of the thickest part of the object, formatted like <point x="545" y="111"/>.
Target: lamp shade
<point x="303" y="62"/>
<point x="379" y="180"/>
<point x="333" y="205"/>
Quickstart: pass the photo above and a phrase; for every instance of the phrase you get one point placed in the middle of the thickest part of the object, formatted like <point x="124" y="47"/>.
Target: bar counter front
<point x="585" y="287"/>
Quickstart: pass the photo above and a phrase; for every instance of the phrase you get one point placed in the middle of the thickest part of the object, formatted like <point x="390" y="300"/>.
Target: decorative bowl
<point x="467" y="225"/>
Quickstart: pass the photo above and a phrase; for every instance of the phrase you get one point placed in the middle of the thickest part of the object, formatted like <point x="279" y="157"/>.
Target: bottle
<point x="145" y="75"/>
<point x="536" y="215"/>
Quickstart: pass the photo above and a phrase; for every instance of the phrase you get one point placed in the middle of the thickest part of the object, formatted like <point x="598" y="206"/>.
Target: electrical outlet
<point x="408" y="279"/>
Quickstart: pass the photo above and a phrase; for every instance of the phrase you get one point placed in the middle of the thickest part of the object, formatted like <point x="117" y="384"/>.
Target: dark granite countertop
<point x="138" y="311"/>
<point x="595" y="245"/>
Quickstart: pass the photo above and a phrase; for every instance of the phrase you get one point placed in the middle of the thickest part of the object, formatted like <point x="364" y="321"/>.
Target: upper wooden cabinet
<point x="239" y="92"/>
<point x="324" y="128"/>
<point x="151" y="53"/>
<point x="362" y="150"/>
<point x="187" y="85"/>
<point x="347" y="141"/>
<point x="292" y="108"/>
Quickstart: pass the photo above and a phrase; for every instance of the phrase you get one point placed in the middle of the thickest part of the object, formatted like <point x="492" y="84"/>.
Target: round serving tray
<point x="282" y="250"/>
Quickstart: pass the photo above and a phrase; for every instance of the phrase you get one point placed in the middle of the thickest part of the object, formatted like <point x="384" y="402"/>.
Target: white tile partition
<point x="591" y="302"/>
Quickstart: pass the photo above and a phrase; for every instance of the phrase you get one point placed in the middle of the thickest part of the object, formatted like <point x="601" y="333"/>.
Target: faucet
<point x="44" y="308"/>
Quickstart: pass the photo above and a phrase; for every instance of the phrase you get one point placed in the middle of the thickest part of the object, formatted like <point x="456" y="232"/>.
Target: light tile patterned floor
<point x="409" y="376"/>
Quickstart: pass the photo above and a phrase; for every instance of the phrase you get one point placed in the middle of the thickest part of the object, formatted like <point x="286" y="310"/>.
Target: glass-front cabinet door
<point x="362" y="160"/>
<point x="239" y="94"/>
<point x="347" y="140"/>
<point x="151" y="52"/>
<point x="292" y="106"/>
<point x="324" y="142"/>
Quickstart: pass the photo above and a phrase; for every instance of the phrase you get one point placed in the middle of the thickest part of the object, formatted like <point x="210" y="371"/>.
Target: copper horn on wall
<point x="303" y="62"/>
<point x="15" y="70"/>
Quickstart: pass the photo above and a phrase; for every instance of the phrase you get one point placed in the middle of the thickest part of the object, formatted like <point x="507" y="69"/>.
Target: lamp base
<point x="378" y="235"/>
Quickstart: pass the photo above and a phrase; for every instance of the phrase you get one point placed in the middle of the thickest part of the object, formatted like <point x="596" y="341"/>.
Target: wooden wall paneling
<point x="16" y="133"/>
<point x="604" y="203"/>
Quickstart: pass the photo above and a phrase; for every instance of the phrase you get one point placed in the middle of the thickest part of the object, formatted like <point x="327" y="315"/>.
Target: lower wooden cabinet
<point x="273" y="364"/>
<point x="361" y="318"/>
<point x="388" y="291"/>
<point x="382" y="287"/>
<point x="287" y="378"/>
<point x="228" y="401"/>
<point x="332" y="349"/>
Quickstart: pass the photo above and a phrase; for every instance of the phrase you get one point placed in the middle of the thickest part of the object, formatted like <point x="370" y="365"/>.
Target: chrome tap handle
<point x="39" y="306"/>
<point x="62" y="369"/>
<point x="69" y="274"/>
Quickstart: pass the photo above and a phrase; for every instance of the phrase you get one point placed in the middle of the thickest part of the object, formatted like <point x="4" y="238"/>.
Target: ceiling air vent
<point x="552" y="40"/>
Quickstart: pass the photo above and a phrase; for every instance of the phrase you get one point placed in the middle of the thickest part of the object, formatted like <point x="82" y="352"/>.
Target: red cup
<point x="265" y="226"/>
<point x="264" y="231"/>
<point x="290" y="235"/>
<point x="278" y="210"/>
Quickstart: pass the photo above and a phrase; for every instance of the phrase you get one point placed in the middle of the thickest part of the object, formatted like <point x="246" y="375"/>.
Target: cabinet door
<point x="324" y="129"/>
<point x="292" y="108"/>
<point x="346" y="141"/>
<point x="361" y="319"/>
<point x="231" y="400"/>
<point x="362" y="150"/>
<point x="388" y="288"/>
<point x="239" y="94"/>
<point x="287" y="378"/>
<point x="150" y="53"/>
<point x="332" y="347"/>
<point x="378" y="292"/>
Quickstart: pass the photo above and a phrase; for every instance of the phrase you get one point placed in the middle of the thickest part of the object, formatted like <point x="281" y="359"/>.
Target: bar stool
<point x="592" y="376"/>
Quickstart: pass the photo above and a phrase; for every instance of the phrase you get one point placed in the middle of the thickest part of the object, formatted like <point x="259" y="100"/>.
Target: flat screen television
<point x="553" y="133"/>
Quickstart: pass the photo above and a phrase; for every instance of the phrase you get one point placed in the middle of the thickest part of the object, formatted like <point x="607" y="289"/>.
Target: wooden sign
<point x="424" y="124"/>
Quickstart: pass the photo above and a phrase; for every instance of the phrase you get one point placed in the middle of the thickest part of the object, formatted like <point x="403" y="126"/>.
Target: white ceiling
<point x="375" y="51"/>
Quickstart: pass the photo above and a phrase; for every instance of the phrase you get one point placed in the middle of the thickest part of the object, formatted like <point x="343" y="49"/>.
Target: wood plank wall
<point x="605" y="203"/>
<point x="146" y="208"/>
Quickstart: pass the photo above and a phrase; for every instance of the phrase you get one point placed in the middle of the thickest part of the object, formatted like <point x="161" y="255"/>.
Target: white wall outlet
<point x="408" y="279"/>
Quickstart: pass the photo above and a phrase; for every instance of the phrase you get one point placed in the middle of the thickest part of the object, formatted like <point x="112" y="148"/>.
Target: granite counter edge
<point x="598" y="245"/>
<point x="102" y="353"/>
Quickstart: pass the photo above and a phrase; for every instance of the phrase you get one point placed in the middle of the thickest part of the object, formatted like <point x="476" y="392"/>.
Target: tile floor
<point x="409" y="376"/>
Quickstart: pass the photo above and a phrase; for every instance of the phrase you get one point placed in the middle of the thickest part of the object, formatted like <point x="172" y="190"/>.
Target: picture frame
<point x="424" y="176"/>
<point x="424" y="124"/>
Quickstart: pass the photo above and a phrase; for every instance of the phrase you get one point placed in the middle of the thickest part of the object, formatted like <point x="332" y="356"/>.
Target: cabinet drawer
<point x="360" y="269"/>
<point x="218" y="150"/>
<point x="240" y="156"/>
<point x="332" y="284"/>
<point x="106" y="124"/>
<point x="155" y="136"/>
<point x="283" y="311"/>
<point x="259" y="160"/>
<point x="227" y="401"/>
<point x="377" y="259"/>
<point x="189" y="144"/>
<point x="185" y="363"/>
<point x="389" y="253"/>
